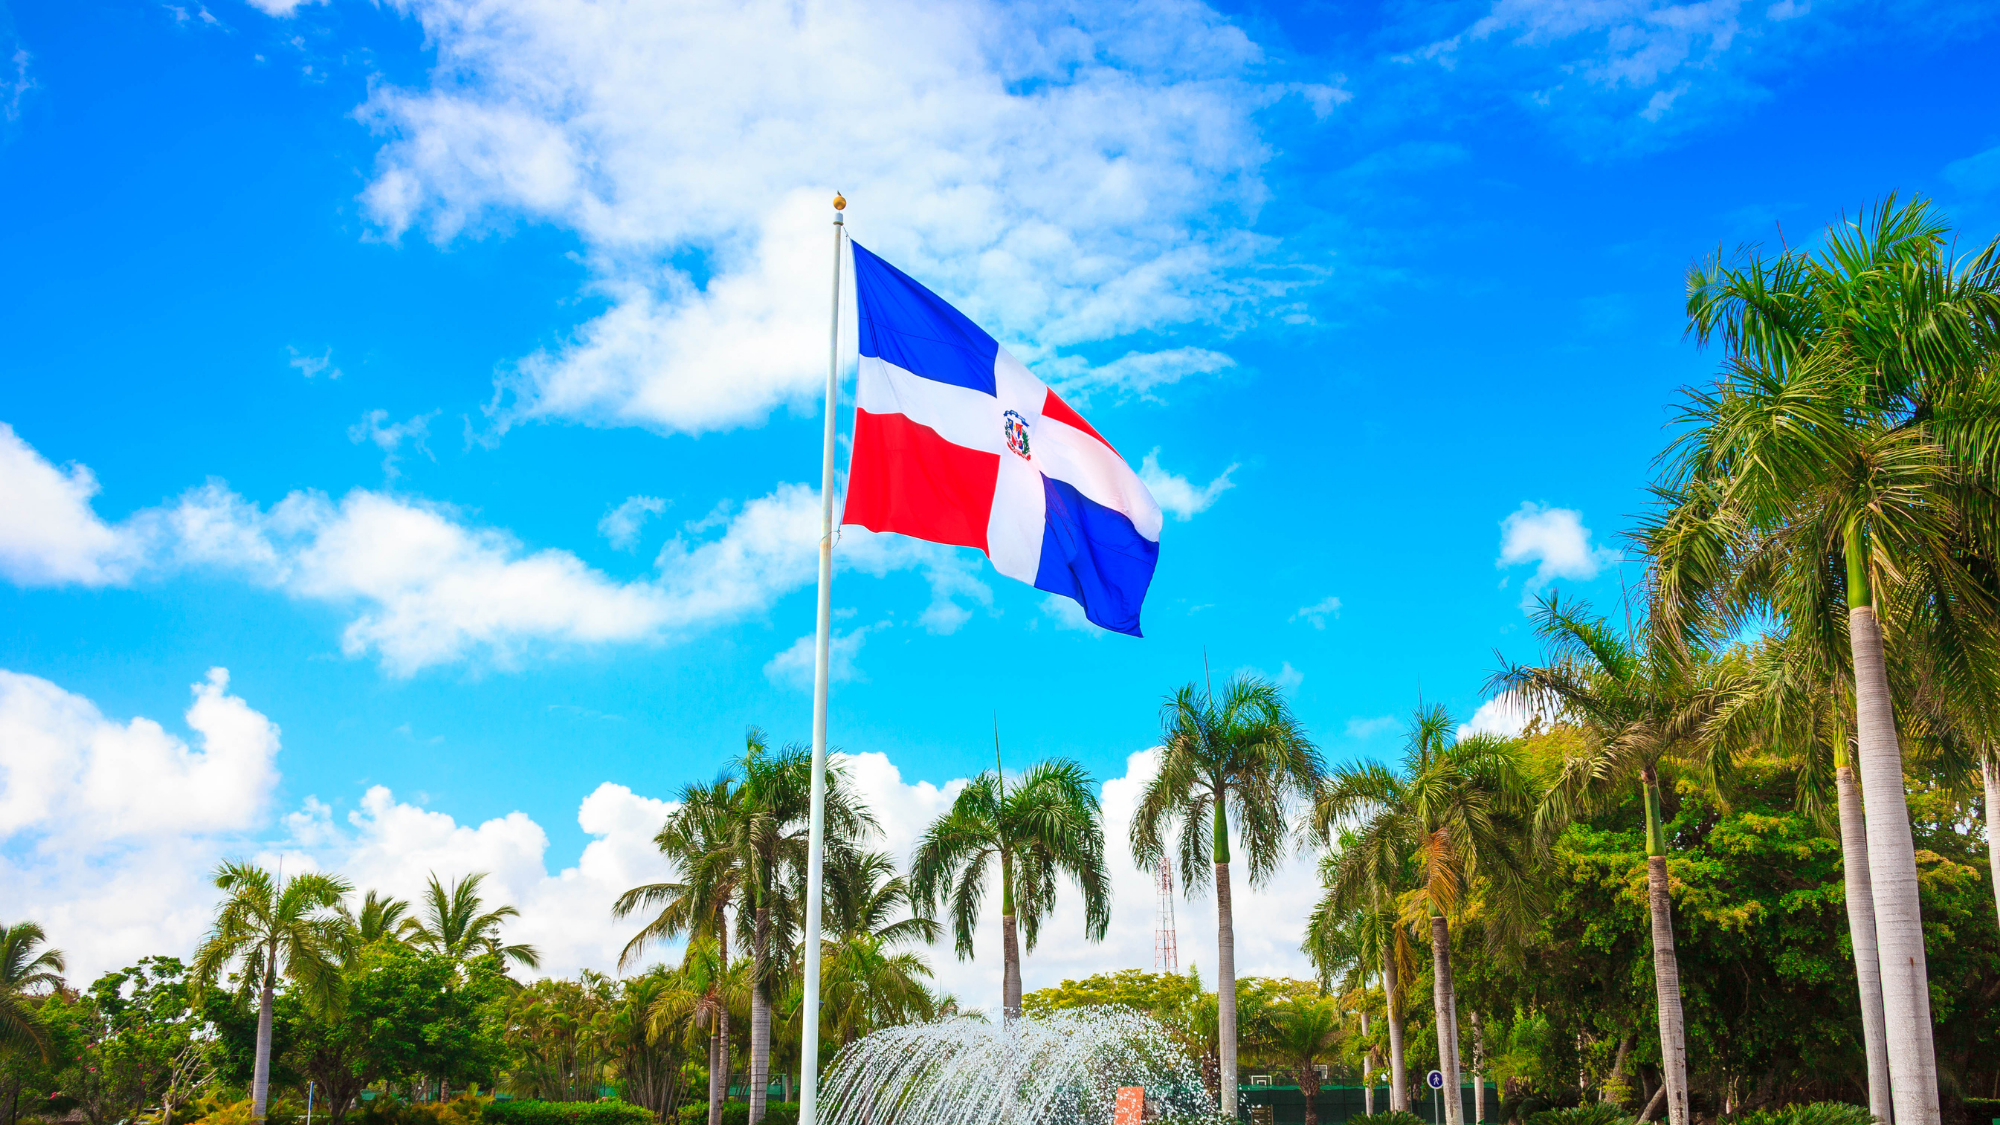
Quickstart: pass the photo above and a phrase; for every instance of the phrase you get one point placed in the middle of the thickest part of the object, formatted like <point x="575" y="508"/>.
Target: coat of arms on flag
<point x="955" y="441"/>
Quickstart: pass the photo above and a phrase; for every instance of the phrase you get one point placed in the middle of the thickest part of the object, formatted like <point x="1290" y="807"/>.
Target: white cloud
<point x="1067" y="613"/>
<point x="1505" y="714"/>
<point x="389" y="437"/>
<point x="794" y="666"/>
<point x="1363" y="729"/>
<point x="281" y="7"/>
<point x="49" y="535"/>
<point x="1618" y="71"/>
<point x="1068" y="175"/>
<point x="1318" y="612"/>
<point x="1556" y="540"/>
<point x="1976" y="174"/>
<point x="1178" y="495"/>
<point x="1134" y="373"/>
<point x="15" y="88"/>
<point x="426" y="587"/>
<point x="107" y="829"/>
<point x="621" y="524"/>
<point x="306" y="363"/>
<point x="1288" y="678"/>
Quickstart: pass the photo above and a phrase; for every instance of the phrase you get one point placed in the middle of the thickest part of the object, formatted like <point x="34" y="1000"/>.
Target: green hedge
<point x="522" y="1111"/>
<point x="1596" y="1113"/>
<point x="738" y="1113"/>
<point x="1818" y="1113"/>
<point x="1387" y="1117"/>
<point x="1982" y="1111"/>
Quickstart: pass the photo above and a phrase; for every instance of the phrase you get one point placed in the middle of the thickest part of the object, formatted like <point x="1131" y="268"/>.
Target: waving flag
<point x="956" y="442"/>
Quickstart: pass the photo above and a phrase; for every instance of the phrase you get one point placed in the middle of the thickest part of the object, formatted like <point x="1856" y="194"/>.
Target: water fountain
<point x="1061" y="1069"/>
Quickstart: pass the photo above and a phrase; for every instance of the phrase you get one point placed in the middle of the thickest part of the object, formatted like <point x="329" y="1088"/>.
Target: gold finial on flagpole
<point x="839" y="202"/>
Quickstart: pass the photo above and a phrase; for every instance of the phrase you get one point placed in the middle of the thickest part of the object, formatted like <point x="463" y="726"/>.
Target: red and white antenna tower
<point x="1166" y="946"/>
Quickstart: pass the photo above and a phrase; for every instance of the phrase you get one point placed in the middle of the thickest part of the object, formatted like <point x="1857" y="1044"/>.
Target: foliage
<point x="1816" y="1113"/>
<point x="422" y="1014"/>
<point x="535" y="1112"/>
<point x="1595" y="1113"/>
<point x="1387" y="1117"/>
<point x="457" y="925"/>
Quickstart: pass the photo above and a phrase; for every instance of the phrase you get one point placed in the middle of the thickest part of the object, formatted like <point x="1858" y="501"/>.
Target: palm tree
<point x="767" y="837"/>
<point x="1462" y="812"/>
<point x="25" y="966"/>
<point x="1243" y="753"/>
<point x="457" y="925"/>
<point x="867" y="986"/>
<point x="1302" y="1033"/>
<point x="700" y="996"/>
<point x="383" y="918"/>
<point x="1045" y="826"/>
<point x="268" y="927"/>
<point x="1637" y="703"/>
<point x="1852" y="438"/>
<point x="1367" y="938"/>
<point x="865" y="896"/>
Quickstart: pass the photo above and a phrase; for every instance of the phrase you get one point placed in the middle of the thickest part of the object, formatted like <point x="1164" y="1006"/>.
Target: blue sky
<point x="338" y="333"/>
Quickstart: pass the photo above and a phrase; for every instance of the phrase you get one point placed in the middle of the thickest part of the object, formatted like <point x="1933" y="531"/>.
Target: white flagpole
<point x="809" y="1047"/>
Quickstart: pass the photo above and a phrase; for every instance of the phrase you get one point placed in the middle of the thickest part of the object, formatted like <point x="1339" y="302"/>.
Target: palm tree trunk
<point x="1010" y="945"/>
<point x="260" y="1081"/>
<point x="1225" y="963"/>
<point x="1399" y="1090"/>
<point x="1989" y="775"/>
<point x="718" y="1043"/>
<point x="1666" y="966"/>
<point x="1892" y="875"/>
<point x="1367" y="1086"/>
<point x="760" y="1017"/>
<point x="1861" y="935"/>
<point x="716" y="1089"/>
<point x="1446" y="1000"/>
<point x="1309" y="1087"/>
<point x="1478" y="1070"/>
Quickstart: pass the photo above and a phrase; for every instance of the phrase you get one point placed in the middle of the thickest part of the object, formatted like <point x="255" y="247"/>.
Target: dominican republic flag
<point x="955" y="442"/>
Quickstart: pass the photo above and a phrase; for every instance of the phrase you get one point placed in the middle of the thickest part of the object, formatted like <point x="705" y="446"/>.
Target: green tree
<point x="868" y="986"/>
<point x="865" y="895"/>
<point x="1462" y="812"/>
<point x="560" y="1035"/>
<point x="1044" y="827"/>
<point x="457" y="925"/>
<point x="1242" y="753"/>
<point x="649" y="1065"/>
<point x="26" y="964"/>
<point x="271" y="928"/>
<point x="425" y="1015"/>
<point x="382" y="918"/>
<point x="1302" y="1033"/>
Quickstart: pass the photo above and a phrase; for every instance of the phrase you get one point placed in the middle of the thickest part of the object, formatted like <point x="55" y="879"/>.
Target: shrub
<point x="1595" y="1113"/>
<point x="775" y="1113"/>
<point x="1982" y="1111"/>
<point x="1818" y="1113"/>
<point x="1387" y="1117"/>
<point x="527" y="1112"/>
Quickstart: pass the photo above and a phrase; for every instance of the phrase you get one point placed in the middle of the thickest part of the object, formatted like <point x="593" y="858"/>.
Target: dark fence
<point x="1335" y="1104"/>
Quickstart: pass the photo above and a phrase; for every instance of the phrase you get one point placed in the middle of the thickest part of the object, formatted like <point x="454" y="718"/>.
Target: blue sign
<point x="1435" y="1079"/>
